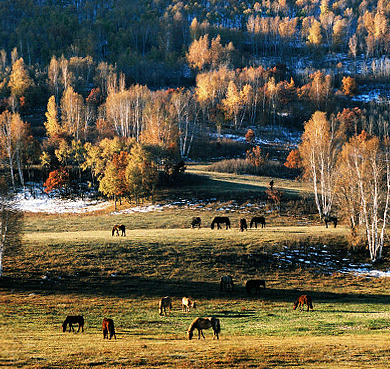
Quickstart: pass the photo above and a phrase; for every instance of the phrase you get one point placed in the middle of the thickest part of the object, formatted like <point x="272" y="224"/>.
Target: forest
<point x="115" y="96"/>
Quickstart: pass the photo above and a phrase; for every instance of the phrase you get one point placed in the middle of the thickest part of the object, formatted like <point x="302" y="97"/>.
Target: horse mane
<point x="193" y="324"/>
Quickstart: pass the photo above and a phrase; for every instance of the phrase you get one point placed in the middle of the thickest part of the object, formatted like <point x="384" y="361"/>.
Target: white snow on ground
<point x="362" y="272"/>
<point x="42" y="203"/>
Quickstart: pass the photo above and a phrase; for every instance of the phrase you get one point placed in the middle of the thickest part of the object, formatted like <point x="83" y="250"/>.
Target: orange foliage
<point x="57" y="179"/>
<point x="255" y="157"/>
<point x="294" y="160"/>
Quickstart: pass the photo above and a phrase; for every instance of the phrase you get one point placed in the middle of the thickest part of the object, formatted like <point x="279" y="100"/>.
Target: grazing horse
<point x="204" y="323"/>
<point x="186" y="304"/>
<point x="164" y="304"/>
<point x="196" y="221"/>
<point x="303" y="300"/>
<point x="243" y="225"/>
<point x="117" y="228"/>
<point x="256" y="220"/>
<point x="329" y="219"/>
<point x="219" y="220"/>
<point x="73" y="319"/>
<point x="108" y="328"/>
<point x="226" y="283"/>
<point x="254" y="283"/>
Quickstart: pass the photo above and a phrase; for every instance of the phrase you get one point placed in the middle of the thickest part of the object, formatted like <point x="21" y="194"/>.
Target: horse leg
<point x="215" y="334"/>
<point x="201" y="331"/>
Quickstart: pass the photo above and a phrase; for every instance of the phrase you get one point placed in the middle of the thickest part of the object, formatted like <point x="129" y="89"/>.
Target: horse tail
<point x="212" y="224"/>
<point x="113" y="231"/>
<point x="227" y="222"/>
<point x="296" y="304"/>
<point x="309" y="302"/>
<point x="217" y="325"/>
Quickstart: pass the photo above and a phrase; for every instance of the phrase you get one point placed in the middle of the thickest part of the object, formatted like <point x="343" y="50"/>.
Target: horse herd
<point x="243" y="226"/>
<point x="196" y="222"/>
<point x="165" y="307"/>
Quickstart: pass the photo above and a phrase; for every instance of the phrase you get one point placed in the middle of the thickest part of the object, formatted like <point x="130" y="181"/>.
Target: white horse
<point x="226" y="283"/>
<point x="186" y="304"/>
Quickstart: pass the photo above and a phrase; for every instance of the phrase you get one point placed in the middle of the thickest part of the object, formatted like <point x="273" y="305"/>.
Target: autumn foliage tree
<point x="58" y="180"/>
<point x="364" y="170"/>
<point x="318" y="152"/>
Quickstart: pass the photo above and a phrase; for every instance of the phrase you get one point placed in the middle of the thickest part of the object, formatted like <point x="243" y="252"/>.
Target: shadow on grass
<point x="133" y="287"/>
<point x="221" y="188"/>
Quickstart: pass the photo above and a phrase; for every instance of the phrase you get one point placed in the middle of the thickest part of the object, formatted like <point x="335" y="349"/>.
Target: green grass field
<point x="72" y="265"/>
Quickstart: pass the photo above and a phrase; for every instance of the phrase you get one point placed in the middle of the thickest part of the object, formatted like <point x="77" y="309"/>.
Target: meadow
<point x="72" y="265"/>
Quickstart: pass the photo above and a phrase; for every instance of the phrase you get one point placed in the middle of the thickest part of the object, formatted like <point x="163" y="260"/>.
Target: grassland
<point x="72" y="265"/>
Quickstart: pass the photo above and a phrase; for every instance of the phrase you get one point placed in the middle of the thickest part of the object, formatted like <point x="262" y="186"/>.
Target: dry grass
<point x="72" y="265"/>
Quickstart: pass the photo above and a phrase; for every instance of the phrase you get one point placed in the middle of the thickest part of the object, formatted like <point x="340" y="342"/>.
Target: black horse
<point x="117" y="228"/>
<point x="256" y="220"/>
<point x="219" y="220"/>
<point x="330" y="219"/>
<point x="243" y="225"/>
<point x="73" y="319"/>
<point x="196" y="221"/>
<point x="254" y="284"/>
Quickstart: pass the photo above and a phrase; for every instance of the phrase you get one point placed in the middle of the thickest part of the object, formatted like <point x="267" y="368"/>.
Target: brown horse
<point x="219" y="220"/>
<point x="256" y="220"/>
<point x="204" y="323"/>
<point x="186" y="304"/>
<point x="196" y="221"/>
<point x="117" y="228"/>
<point x="73" y="319"/>
<point x="254" y="283"/>
<point x="108" y="328"/>
<point x="164" y="304"/>
<point x="303" y="300"/>
<point x="243" y="225"/>
<point x="226" y="283"/>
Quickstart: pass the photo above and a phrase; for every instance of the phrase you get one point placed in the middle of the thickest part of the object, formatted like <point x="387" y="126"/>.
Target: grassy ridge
<point x="72" y="265"/>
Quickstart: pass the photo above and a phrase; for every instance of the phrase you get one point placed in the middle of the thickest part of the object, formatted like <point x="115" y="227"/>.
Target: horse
<point x="117" y="228"/>
<point x="226" y="283"/>
<point x="196" y="221"/>
<point x="164" y="304"/>
<point x="256" y="220"/>
<point x="330" y="219"/>
<point x="243" y="225"/>
<point x="204" y="323"/>
<point x="303" y="300"/>
<point x="219" y="220"/>
<point x="108" y="328"/>
<point x="186" y="304"/>
<point x="73" y="319"/>
<point x="254" y="283"/>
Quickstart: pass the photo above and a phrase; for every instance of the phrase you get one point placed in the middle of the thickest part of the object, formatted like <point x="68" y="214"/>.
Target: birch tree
<point x="13" y="132"/>
<point x="365" y="167"/>
<point x="318" y="152"/>
<point x="10" y="223"/>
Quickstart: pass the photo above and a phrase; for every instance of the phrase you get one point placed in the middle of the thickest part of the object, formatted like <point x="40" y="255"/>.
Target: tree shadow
<point x="122" y="286"/>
